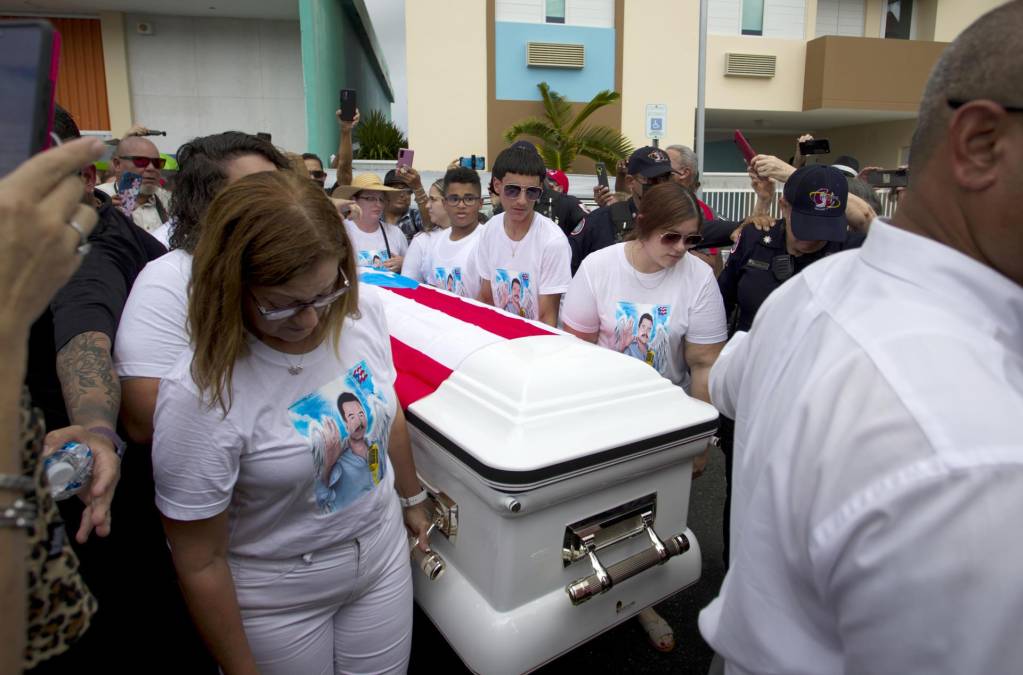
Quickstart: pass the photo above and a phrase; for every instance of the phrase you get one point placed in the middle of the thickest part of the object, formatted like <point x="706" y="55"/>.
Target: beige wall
<point x="661" y="69"/>
<point x="445" y="43"/>
<point x="953" y="16"/>
<point x="115" y="65"/>
<point x="783" y="92"/>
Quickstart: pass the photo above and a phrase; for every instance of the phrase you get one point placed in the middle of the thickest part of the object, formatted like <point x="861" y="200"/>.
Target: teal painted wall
<point x="722" y="156"/>
<point x="336" y="54"/>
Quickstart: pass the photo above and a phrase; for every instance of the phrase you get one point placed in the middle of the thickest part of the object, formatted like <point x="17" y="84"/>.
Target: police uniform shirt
<point x="599" y="230"/>
<point x="760" y="264"/>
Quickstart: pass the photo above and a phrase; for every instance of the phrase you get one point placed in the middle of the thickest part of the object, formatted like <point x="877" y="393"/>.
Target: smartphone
<point x="888" y="178"/>
<point x="818" y="146"/>
<point x="405" y="157"/>
<point x="29" y="58"/>
<point x="475" y="162"/>
<point x="128" y="182"/>
<point x="748" y="153"/>
<point x="347" y="105"/>
<point x="264" y="135"/>
<point x="602" y="175"/>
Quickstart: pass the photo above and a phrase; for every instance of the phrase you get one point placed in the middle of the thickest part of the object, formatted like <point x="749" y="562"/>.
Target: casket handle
<point x="604" y="578"/>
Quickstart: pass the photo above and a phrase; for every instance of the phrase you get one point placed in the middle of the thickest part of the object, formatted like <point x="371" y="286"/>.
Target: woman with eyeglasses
<point x="372" y="238"/>
<point x="650" y="300"/>
<point x="279" y="445"/>
<point x="415" y="259"/>
<point x="444" y="258"/>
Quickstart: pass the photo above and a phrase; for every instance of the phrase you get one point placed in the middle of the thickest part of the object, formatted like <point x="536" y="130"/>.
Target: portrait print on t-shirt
<point x="347" y="425"/>
<point x="641" y="331"/>
<point x="450" y="279"/>
<point x="512" y="294"/>
<point x="371" y="258"/>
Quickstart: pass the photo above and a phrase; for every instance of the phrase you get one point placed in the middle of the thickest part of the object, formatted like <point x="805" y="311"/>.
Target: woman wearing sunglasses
<point x="279" y="445"/>
<point x="650" y="300"/>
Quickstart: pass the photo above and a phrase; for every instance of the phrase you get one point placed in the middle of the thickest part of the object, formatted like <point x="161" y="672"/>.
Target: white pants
<point x="346" y="609"/>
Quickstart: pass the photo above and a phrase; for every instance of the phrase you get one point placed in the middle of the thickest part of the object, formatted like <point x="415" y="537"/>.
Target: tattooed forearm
<point x="92" y="392"/>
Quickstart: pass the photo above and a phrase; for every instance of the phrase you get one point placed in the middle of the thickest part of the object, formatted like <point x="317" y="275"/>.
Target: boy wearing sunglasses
<point x="522" y="245"/>
<point x="147" y="202"/>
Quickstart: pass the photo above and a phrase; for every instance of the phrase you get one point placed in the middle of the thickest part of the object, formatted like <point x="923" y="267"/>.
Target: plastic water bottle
<point x="68" y="470"/>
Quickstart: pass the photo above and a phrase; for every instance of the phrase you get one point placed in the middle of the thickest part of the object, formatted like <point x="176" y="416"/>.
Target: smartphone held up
<point x="29" y="58"/>
<point x="347" y="105"/>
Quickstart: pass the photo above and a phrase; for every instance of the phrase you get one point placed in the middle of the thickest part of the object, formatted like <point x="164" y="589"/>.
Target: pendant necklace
<point x="293" y="368"/>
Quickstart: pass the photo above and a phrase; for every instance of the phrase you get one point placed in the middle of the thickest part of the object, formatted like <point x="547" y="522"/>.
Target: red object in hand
<point x="748" y="153"/>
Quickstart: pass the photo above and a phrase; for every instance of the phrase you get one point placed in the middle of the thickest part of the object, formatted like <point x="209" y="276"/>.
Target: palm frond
<point x="378" y="137"/>
<point x="602" y="144"/>
<point x="533" y="126"/>
<point x="557" y="109"/>
<point x="602" y="99"/>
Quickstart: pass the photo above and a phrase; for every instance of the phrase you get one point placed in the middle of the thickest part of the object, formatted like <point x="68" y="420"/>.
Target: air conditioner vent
<point x="750" y="65"/>
<point x="553" y="55"/>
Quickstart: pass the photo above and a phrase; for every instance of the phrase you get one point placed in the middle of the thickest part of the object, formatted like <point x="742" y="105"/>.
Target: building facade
<point x="851" y="71"/>
<point x="191" y="68"/>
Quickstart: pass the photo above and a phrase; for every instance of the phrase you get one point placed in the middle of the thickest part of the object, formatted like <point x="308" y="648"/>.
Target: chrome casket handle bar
<point x="604" y="579"/>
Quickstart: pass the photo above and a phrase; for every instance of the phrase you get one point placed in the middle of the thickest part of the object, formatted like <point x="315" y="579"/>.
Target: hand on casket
<point x="417" y="522"/>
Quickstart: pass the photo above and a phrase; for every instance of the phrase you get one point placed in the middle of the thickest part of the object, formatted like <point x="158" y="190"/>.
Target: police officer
<point x="813" y="225"/>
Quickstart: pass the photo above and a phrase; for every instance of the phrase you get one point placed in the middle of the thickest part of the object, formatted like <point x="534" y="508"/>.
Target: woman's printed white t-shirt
<point x="443" y="263"/>
<point x="299" y="461"/>
<point x="520" y="272"/>
<point x="647" y="316"/>
<point x="371" y="249"/>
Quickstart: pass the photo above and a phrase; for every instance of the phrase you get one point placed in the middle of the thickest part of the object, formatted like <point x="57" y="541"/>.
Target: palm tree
<point x="563" y="138"/>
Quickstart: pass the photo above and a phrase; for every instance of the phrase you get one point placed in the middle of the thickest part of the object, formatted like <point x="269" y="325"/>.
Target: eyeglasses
<point x="143" y="162"/>
<point x="513" y="191"/>
<point x="468" y="200"/>
<point x="319" y="303"/>
<point x="671" y="238"/>
<point x="379" y="199"/>
<point x="957" y="103"/>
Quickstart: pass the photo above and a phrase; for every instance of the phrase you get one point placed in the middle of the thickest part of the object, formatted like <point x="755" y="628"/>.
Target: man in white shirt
<point x="148" y="202"/>
<point x="522" y="258"/>
<point x="878" y="479"/>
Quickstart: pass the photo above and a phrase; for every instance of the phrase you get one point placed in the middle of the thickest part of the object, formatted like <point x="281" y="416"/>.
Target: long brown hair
<point x="663" y="206"/>
<point x="263" y="230"/>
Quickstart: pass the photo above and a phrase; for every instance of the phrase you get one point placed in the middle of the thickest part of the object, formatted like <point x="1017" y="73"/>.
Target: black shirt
<point x="760" y="264"/>
<point x="92" y="300"/>
<point x="601" y="228"/>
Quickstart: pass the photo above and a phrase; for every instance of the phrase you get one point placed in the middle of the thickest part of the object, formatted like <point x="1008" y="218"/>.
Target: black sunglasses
<point x="513" y="191"/>
<point x="689" y="240"/>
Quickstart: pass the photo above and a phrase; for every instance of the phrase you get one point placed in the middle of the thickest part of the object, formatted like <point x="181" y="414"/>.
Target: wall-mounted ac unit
<point x="750" y="65"/>
<point x="554" y="55"/>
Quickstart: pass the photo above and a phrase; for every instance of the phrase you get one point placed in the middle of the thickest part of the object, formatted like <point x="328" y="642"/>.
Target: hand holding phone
<point x="347" y="105"/>
<point x="474" y="162"/>
<point x="602" y="174"/>
<point x="816" y="146"/>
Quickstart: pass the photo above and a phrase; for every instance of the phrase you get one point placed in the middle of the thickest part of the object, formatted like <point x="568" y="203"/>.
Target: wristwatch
<point x="413" y="500"/>
<point x="111" y="436"/>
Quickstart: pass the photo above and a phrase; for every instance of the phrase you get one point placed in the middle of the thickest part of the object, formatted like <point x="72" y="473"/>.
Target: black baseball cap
<point x="649" y="162"/>
<point x="818" y="194"/>
<point x="392" y="178"/>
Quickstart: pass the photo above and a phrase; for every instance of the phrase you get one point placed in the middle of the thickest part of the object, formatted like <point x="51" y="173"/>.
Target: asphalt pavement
<point x="625" y="649"/>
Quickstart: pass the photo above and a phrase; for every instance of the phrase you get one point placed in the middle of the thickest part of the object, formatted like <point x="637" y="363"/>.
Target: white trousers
<point x="346" y="609"/>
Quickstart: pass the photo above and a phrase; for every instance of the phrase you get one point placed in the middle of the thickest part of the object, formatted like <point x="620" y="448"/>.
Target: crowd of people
<point x="868" y="373"/>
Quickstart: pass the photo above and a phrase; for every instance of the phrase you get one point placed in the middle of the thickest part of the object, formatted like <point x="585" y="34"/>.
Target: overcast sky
<point x="388" y="17"/>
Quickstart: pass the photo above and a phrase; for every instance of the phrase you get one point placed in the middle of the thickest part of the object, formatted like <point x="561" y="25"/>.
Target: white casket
<point x="559" y="474"/>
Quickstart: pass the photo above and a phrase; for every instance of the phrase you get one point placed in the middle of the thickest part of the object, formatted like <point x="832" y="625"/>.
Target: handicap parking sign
<point x="656" y="116"/>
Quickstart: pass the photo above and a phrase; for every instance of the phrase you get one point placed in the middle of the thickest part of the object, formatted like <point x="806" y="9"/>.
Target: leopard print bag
<point x="60" y="605"/>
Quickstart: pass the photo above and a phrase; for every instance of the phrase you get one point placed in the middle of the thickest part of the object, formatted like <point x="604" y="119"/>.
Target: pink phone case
<point x="405" y="157"/>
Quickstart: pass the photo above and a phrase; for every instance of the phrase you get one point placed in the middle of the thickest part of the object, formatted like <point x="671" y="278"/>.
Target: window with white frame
<point x="840" y="17"/>
<point x="594" y="13"/>
<point x="766" y="18"/>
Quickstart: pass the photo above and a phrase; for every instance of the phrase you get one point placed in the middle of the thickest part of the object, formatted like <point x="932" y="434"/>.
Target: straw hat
<point x="364" y="181"/>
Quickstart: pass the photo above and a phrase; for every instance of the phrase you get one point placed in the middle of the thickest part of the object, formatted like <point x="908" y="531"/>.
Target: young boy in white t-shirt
<point x="523" y="258"/>
<point x="445" y="262"/>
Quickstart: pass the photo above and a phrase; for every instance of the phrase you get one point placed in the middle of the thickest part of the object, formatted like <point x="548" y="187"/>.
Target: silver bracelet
<point x="19" y="514"/>
<point x="22" y="484"/>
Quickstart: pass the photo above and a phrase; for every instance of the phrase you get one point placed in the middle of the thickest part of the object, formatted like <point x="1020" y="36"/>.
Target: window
<point x="752" y="17"/>
<point x="555" y="11"/>
<point x="898" y="19"/>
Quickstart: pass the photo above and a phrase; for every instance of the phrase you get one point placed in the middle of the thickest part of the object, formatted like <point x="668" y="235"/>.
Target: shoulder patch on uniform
<point x="578" y="228"/>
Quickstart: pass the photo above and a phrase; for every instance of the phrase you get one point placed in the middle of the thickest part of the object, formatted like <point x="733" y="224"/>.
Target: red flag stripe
<point x="487" y="318"/>
<point x="418" y="374"/>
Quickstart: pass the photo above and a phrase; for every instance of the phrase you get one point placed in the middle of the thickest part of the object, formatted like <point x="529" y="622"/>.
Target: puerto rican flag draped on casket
<point x="433" y="331"/>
